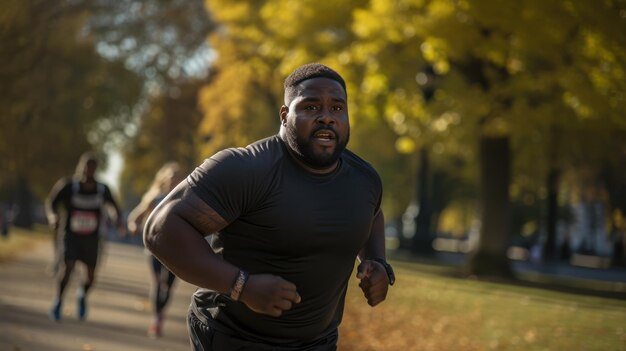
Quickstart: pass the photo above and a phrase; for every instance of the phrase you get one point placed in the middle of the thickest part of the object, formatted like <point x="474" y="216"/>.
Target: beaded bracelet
<point x="237" y="288"/>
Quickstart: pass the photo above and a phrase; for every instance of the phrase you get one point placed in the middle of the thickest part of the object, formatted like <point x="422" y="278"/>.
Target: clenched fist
<point x="374" y="281"/>
<point x="269" y="294"/>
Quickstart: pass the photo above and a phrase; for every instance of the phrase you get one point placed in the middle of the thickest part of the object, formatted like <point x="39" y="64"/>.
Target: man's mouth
<point x="324" y="135"/>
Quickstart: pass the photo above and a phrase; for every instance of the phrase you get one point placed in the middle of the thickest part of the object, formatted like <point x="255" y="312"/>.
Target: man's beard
<point x="303" y="149"/>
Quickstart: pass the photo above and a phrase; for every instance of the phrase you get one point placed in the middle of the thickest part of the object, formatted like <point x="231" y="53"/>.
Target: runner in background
<point x="162" y="279"/>
<point x="75" y="209"/>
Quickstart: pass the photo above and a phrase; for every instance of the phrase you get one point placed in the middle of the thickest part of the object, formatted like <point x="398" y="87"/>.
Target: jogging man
<point x="290" y="214"/>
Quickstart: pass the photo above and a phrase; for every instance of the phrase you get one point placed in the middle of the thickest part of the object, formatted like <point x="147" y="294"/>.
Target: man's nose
<point x="326" y="117"/>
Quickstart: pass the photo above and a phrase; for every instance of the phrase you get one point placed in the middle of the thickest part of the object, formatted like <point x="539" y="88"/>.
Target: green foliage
<point x="162" y="40"/>
<point x="55" y="89"/>
<point x="84" y="74"/>
<point x="167" y="133"/>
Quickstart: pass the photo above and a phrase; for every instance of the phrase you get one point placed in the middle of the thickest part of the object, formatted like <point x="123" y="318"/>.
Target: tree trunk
<point x="24" y="201"/>
<point x="489" y="258"/>
<point x="549" y="250"/>
<point x="422" y="240"/>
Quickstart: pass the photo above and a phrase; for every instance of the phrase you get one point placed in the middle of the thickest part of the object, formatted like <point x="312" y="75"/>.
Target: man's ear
<point x="284" y="110"/>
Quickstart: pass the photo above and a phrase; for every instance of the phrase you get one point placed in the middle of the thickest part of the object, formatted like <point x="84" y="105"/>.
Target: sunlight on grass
<point x="21" y="240"/>
<point x="424" y="311"/>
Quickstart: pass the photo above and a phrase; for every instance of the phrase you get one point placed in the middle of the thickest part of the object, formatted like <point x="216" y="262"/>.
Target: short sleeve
<point x="225" y="182"/>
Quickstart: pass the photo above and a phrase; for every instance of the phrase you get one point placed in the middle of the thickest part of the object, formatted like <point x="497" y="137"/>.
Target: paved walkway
<point x="119" y="308"/>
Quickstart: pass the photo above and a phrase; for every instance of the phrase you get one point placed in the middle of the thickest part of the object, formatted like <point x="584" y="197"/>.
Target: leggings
<point x="162" y="286"/>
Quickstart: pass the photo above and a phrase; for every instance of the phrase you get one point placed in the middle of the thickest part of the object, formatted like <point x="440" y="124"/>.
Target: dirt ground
<point x="119" y="307"/>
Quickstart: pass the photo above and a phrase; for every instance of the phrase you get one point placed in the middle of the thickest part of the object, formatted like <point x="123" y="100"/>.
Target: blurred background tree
<point x="55" y="90"/>
<point x="485" y="121"/>
<point x="520" y="78"/>
<point x="165" y="43"/>
<point x="83" y="75"/>
<point x="452" y="89"/>
<point x="167" y="132"/>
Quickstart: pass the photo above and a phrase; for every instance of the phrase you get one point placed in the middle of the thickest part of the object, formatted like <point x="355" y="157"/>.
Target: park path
<point x="119" y="308"/>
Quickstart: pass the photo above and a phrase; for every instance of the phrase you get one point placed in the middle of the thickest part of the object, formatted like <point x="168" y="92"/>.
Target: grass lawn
<point x="20" y="240"/>
<point x="429" y="311"/>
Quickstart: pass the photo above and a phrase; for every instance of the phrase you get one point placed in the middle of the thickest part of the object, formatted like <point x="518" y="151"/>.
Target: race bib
<point x="83" y="222"/>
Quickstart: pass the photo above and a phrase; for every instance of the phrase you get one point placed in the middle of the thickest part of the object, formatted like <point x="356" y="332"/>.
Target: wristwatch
<point x="390" y="274"/>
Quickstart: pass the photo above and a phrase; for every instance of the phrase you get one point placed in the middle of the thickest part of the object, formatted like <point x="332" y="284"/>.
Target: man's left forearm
<point x="375" y="245"/>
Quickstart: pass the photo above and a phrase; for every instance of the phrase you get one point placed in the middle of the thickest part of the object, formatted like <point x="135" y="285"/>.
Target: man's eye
<point x="337" y="108"/>
<point x="311" y="108"/>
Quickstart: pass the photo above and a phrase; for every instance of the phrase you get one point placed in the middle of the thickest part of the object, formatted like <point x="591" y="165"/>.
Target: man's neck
<point x="88" y="182"/>
<point x="305" y="166"/>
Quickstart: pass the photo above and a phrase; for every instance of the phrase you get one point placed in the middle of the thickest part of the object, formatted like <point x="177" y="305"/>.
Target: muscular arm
<point x="375" y="245"/>
<point x="175" y="234"/>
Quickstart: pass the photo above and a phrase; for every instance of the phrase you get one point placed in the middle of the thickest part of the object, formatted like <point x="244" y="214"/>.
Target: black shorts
<point x="205" y="338"/>
<point x="81" y="248"/>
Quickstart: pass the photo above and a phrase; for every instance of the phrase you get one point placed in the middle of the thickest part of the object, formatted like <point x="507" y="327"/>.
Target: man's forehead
<point x="317" y="85"/>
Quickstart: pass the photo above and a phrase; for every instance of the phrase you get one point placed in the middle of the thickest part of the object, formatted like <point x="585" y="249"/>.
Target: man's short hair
<point x="85" y="158"/>
<point x="309" y="71"/>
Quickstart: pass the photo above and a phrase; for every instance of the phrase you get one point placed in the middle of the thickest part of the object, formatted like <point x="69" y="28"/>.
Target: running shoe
<point x="81" y="308"/>
<point x="55" y="311"/>
<point x="154" y="331"/>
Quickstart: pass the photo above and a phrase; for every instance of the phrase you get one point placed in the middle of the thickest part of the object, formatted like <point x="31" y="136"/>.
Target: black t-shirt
<point x="82" y="207"/>
<point x="286" y="221"/>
